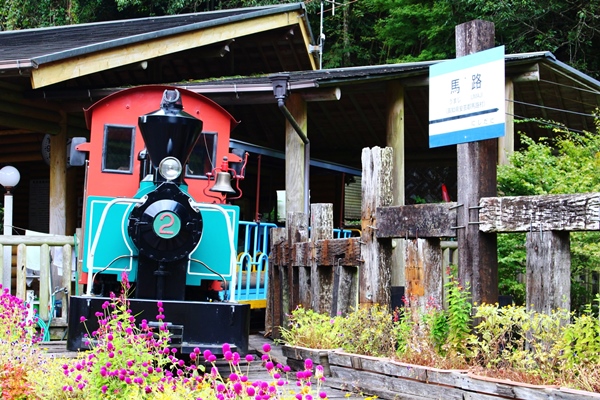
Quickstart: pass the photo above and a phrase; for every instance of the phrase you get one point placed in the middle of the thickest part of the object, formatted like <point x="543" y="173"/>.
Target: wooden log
<point x="375" y="273"/>
<point x="417" y="221"/>
<point x="548" y="271"/>
<point x="321" y="216"/>
<point x="424" y="275"/>
<point x="476" y="165"/>
<point x="553" y="212"/>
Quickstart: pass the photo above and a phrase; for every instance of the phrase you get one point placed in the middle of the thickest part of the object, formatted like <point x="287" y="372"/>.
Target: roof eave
<point x="84" y="50"/>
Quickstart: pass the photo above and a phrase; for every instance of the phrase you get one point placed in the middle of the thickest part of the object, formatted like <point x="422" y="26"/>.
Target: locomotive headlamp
<point x="170" y="168"/>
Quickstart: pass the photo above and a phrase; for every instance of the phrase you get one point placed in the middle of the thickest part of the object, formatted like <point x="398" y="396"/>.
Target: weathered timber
<point x="279" y="246"/>
<point x="278" y="255"/>
<point x="375" y="273"/>
<point x="548" y="271"/>
<point x="390" y="387"/>
<point x="553" y="212"/>
<point x="328" y="252"/>
<point x="417" y="221"/>
<point x="476" y="171"/>
<point x="389" y="379"/>
<point x="321" y="217"/>
<point x="345" y="289"/>
<point x="296" y="355"/>
<point x="424" y="277"/>
<point x="297" y="231"/>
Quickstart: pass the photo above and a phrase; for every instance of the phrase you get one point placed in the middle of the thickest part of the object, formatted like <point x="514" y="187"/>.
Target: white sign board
<point x="466" y="98"/>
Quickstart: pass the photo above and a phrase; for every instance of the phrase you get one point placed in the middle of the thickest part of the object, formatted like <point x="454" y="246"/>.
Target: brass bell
<point x="222" y="183"/>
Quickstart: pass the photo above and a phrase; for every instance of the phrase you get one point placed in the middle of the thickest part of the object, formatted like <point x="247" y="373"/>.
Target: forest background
<point x="372" y="32"/>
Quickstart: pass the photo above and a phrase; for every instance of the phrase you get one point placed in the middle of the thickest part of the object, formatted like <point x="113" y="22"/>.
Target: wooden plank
<point x="476" y="171"/>
<point x="51" y="240"/>
<point x="548" y="271"/>
<point x="417" y="221"/>
<point x="338" y="252"/>
<point x="552" y="212"/>
<point x="391" y="380"/>
<point x="388" y="387"/>
<point x="375" y="274"/>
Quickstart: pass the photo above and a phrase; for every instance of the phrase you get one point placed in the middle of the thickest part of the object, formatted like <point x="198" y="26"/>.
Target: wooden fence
<point x="332" y="275"/>
<point x="62" y="284"/>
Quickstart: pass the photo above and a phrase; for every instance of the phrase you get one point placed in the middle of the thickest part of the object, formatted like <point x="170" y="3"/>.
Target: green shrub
<point x="308" y="328"/>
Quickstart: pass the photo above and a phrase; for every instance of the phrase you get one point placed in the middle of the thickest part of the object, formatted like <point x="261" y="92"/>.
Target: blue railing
<point x="253" y="262"/>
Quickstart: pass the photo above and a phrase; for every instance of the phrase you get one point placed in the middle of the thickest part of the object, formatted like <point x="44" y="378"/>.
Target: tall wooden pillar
<point x="506" y="144"/>
<point x="58" y="183"/>
<point x="395" y="140"/>
<point x="294" y="155"/>
<point x="476" y="163"/>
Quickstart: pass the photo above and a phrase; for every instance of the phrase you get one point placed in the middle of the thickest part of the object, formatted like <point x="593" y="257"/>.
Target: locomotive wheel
<point x="165" y="227"/>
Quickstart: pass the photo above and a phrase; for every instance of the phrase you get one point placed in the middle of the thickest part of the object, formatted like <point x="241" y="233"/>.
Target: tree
<point x="567" y="164"/>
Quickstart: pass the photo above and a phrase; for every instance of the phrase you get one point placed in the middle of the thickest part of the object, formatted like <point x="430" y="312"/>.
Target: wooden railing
<point x="62" y="289"/>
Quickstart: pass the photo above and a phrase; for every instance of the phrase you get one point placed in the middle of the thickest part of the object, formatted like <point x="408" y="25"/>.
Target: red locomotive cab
<point x="117" y="150"/>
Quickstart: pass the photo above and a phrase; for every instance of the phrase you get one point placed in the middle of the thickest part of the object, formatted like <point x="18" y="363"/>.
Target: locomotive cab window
<point x="202" y="159"/>
<point x="118" y="149"/>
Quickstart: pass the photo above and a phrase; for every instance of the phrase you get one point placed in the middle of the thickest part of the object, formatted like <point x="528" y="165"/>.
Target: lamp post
<point x="9" y="178"/>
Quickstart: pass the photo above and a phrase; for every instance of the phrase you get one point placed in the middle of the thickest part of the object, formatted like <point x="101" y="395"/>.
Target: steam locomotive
<point x="157" y="186"/>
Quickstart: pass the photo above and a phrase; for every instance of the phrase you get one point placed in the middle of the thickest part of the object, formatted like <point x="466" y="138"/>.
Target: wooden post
<point x="297" y="231"/>
<point x="44" y="295"/>
<point x="21" y="289"/>
<point x="395" y="139"/>
<point x="58" y="183"/>
<point x="274" y="311"/>
<point x="321" y="217"/>
<point x="476" y="169"/>
<point x="375" y="273"/>
<point x="424" y="275"/>
<point x="548" y="271"/>
<point x="506" y="144"/>
<point x="294" y="155"/>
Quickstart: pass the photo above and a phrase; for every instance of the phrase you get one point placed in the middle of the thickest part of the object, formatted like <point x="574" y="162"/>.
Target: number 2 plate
<point x="167" y="224"/>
